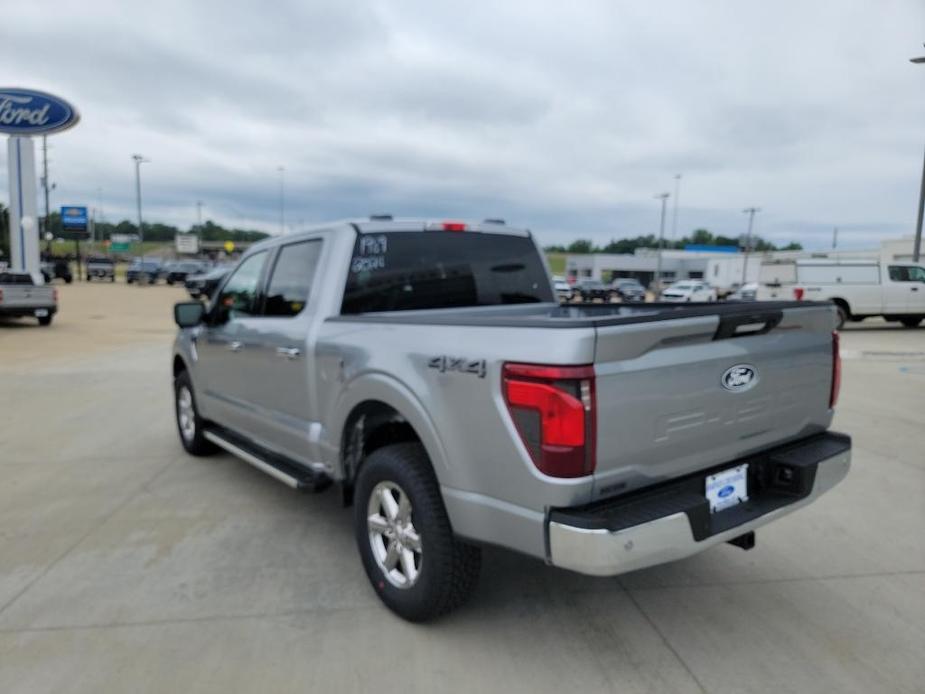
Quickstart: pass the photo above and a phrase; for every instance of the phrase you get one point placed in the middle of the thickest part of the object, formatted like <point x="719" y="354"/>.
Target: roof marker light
<point x="454" y="226"/>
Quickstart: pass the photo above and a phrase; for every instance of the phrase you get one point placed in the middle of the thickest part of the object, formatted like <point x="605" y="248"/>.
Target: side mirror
<point x="188" y="314"/>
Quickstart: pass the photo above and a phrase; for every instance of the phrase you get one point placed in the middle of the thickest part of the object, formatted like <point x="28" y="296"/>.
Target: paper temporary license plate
<point x="727" y="488"/>
<point x="41" y="313"/>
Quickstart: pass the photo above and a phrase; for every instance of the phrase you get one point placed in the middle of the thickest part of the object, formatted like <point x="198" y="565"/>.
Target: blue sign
<point x="29" y="112"/>
<point x="704" y="248"/>
<point x="74" y="218"/>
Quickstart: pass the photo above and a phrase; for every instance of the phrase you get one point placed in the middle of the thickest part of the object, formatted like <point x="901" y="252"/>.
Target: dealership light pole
<point x="139" y="160"/>
<point x="750" y="211"/>
<point x="282" y="199"/>
<point x="918" y="222"/>
<point x="661" y="237"/>
<point x="674" y="215"/>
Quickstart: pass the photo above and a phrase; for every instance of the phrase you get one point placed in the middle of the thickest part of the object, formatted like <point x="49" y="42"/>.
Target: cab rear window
<point x="404" y="271"/>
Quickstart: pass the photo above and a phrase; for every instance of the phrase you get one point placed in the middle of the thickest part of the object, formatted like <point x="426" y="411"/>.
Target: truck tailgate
<point x="663" y="409"/>
<point x="26" y="296"/>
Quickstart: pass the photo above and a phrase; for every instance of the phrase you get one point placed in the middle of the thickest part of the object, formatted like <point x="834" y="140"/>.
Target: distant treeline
<point x="701" y="237"/>
<point x="155" y="231"/>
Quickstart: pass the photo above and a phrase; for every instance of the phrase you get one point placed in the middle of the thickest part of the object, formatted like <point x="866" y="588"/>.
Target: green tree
<point x="581" y="246"/>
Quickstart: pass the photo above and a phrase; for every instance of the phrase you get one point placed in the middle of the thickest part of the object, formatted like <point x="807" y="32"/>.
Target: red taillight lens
<point x="553" y="409"/>
<point x="836" y="371"/>
<point x="54" y="295"/>
<point x="454" y="226"/>
<point x="798" y="293"/>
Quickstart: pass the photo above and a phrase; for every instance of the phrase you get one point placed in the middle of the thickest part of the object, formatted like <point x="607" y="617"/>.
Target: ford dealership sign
<point x="30" y="112"/>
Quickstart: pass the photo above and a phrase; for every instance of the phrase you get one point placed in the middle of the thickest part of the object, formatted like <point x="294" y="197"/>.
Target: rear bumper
<point x="27" y="311"/>
<point x="673" y="520"/>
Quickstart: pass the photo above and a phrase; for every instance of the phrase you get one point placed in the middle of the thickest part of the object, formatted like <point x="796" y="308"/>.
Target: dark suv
<point x="180" y="270"/>
<point x="628" y="289"/>
<point x="144" y="271"/>
<point x="590" y="290"/>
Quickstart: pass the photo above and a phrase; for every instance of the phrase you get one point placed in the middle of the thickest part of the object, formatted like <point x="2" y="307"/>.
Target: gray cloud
<point x="566" y="118"/>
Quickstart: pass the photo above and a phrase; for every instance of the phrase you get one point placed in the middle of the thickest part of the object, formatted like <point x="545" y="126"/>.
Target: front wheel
<point x="419" y="569"/>
<point x="45" y="320"/>
<point x="189" y="423"/>
<point x="911" y="321"/>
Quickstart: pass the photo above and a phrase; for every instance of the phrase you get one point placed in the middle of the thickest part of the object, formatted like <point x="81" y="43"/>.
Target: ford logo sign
<point x="725" y="491"/>
<point x="740" y="377"/>
<point x="29" y="112"/>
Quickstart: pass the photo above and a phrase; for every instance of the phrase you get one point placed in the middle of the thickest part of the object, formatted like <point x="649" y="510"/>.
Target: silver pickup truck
<point x="427" y="369"/>
<point x="21" y="297"/>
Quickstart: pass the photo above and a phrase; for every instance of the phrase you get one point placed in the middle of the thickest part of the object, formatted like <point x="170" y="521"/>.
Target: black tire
<point x="449" y="568"/>
<point x="45" y="320"/>
<point x="911" y="321"/>
<point x="196" y="443"/>
<point x="112" y="278"/>
<point x="842" y="316"/>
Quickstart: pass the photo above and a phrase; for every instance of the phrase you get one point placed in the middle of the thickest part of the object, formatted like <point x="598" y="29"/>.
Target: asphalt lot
<point x="126" y="565"/>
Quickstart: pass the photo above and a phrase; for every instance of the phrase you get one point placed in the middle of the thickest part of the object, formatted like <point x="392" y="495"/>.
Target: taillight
<point x="553" y="409"/>
<point x="54" y="295"/>
<point x="798" y="293"/>
<point x="836" y="371"/>
<point x="1" y="295"/>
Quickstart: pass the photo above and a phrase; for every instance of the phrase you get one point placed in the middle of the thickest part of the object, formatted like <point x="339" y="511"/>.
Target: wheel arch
<point x="387" y="412"/>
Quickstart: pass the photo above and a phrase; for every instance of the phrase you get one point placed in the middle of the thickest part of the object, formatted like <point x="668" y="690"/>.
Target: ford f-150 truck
<point x="20" y="296"/>
<point x="428" y="370"/>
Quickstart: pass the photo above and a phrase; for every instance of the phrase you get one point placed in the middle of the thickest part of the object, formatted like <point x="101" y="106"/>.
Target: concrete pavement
<point x="126" y="565"/>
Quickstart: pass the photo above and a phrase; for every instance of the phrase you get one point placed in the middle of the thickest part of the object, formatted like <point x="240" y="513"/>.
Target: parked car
<point x="590" y="289"/>
<point x="689" y="290"/>
<point x="57" y="268"/>
<point x="563" y="288"/>
<point x="144" y="270"/>
<point x="203" y="285"/>
<point x="747" y="292"/>
<point x="628" y="289"/>
<point x="180" y="270"/>
<point x="101" y="268"/>
<point x="21" y="297"/>
<point x="428" y="369"/>
<point x="859" y="288"/>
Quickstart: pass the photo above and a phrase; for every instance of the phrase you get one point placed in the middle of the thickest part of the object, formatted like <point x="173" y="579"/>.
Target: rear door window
<point x="402" y="271"/>
<point x="291" y="281"/>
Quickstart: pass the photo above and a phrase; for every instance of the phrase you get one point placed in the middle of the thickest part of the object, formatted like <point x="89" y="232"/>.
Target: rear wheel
<point x="842" y="316"/>
<point x="45" y="320"/>
<point x="419" y="569"/>
<point x="189" y="423"/>
<point x="911" y="321"/>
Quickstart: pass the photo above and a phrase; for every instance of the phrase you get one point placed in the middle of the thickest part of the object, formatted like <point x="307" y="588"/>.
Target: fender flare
<point x="379" y="387"/>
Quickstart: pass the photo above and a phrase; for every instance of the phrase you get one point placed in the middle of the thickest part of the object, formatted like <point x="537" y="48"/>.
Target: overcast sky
<point x="564" y="117"/>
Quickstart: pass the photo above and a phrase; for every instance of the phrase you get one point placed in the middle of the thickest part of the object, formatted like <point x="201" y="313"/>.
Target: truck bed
<point x="546" y="315"/>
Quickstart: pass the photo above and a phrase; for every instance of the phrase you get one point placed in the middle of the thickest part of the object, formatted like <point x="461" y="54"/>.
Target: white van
<point x="860" y="288"/>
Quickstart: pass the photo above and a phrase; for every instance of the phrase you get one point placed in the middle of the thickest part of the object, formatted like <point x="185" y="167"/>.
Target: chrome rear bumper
<point x="601" y="551"/>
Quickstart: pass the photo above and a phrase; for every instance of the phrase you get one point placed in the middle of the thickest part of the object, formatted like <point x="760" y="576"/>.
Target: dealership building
<point x="720" y="266"/>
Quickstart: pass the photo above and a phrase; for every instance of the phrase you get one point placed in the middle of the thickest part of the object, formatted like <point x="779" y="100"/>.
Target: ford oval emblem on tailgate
<point x="740" y="377"/>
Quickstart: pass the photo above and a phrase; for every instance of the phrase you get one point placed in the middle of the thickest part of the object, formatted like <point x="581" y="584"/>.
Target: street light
<point x="917" y="248"/>
<point x="139" y="160"/>
<point x="282" y="199"/>
<point x="674" y="215"/>
<point x="750" y="211"/>
<point x="661" y="236"/>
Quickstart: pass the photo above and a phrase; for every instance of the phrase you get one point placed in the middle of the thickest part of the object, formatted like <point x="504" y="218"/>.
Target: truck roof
<point x="377" y="224"/>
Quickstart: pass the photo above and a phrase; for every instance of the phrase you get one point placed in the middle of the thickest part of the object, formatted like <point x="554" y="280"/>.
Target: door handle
<point x="915" y="289"/>
<point x="288" y="352"/>
<point x="235" y="346"/>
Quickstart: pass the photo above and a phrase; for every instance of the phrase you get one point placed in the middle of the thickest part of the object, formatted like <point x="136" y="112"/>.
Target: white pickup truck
<point x="20" y="296"/>
<point x="859" y="288"/>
